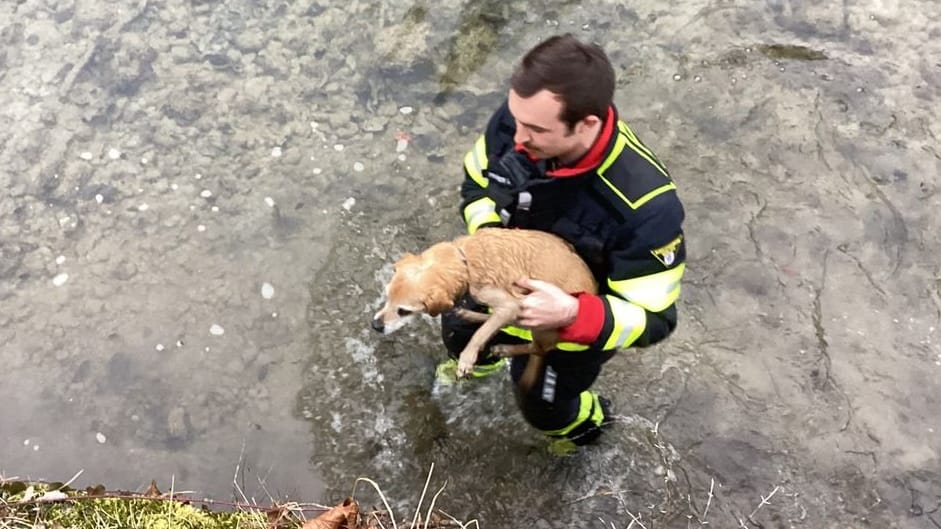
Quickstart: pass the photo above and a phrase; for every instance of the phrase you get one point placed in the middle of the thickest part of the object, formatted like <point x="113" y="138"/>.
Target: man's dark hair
<point x="580" y="74"/>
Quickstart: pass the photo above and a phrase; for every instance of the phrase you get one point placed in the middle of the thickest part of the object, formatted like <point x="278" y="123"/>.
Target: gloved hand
<point x="510" y="177"/>
<point x="514" y="171"/>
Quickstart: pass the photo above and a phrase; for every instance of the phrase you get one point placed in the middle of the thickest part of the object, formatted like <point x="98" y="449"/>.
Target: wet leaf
<point x="342" y="516"/>
<point x="152" y="491"/>
<point x="791" y="51"/>
<point x="97" y="490"/>
<point x="278" y="517"/>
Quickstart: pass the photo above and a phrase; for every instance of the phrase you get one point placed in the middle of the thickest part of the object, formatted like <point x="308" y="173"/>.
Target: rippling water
<point x="165" y="160"/>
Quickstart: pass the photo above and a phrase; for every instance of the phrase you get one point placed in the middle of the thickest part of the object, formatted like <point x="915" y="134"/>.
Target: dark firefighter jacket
<point x="617" y="206"/>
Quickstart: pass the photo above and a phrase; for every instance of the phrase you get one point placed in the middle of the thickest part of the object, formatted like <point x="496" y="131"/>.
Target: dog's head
<point x="421" y="284"/>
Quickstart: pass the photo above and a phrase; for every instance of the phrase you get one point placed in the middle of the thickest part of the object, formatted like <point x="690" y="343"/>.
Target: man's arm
<point x="637" y="305"/>
<point x="478" y="208"/>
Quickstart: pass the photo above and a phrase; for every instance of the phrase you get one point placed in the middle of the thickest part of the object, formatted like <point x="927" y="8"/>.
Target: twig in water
<point x="263" y="482"/>
<point x="69" y="482"/>
<point x="459" y="523"/>
<point x="634" y="520"/>
<point x="381" y="496"/>
<point x="434" y="500"/>
<point x="712" y="484"/>
<point x="172" y="485"/>
<point x="764" y="501"/>
<point x="236" y="475"/>
<point x="595" y="495"/>
<point x="421" y="498"/>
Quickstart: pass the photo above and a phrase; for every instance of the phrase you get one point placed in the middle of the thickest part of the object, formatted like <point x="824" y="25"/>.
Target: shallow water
<point x="165" y="160"/>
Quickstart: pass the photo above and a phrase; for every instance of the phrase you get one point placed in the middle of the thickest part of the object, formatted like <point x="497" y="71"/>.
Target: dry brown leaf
<point x="342" y="516"/>
<point x="277" y="516"/>
<point x="152" y="491"/>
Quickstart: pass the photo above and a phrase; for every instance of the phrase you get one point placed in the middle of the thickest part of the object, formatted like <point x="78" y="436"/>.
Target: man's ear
<point x="587" y="122"/>
<point x="437" y="300"/>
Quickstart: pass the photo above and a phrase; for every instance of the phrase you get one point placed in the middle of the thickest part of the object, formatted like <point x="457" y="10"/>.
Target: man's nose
<point x="377" y="324"/>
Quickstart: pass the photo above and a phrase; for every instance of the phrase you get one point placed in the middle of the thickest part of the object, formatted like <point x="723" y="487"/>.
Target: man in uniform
<point x="555" y="157"/>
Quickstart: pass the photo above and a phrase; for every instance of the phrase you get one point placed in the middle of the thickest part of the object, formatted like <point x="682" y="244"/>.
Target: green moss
<point x="83" y="512"/>
<point x="145" y="514"/>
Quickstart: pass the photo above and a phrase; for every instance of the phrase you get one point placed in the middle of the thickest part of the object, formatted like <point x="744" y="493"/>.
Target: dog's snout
<point x="378" y="325"/>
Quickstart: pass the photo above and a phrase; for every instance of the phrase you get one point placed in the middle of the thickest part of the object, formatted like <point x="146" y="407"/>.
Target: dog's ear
<point x="437" y="300"/>
<point x="405" y="259"/>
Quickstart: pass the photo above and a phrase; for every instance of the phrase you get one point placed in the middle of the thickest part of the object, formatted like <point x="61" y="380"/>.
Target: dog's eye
<point x="404" y="312"/>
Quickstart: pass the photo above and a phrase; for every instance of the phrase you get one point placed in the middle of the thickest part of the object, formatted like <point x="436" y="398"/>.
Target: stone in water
<point x="267" y="291"/>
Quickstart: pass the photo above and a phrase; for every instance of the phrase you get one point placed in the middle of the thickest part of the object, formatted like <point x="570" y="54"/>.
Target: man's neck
<point x="588" y="140"/>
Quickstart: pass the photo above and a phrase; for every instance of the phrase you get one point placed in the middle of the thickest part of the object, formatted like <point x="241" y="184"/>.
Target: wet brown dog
<point x="486" y="265"/>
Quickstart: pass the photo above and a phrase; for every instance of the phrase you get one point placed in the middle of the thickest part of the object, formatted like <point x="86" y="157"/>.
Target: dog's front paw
<point x="464" y="368"/>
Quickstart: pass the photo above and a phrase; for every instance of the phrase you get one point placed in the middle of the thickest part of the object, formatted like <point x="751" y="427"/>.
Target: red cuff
<point x="587" y="325"/>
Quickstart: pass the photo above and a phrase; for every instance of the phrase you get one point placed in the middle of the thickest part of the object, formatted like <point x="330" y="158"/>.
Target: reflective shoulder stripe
<point x="527" y="335"/>
<point x="640" y="148"/>
<point x="653" y="292"/>
<point x="479" y="212"/>
<point x="589" y="409"/>
<point x="642" y="200"/>
<point x="619" y="144"/>
<point x="660" y="190"/>
<point x="475" y="161"/>
<point x="630" y="320"/>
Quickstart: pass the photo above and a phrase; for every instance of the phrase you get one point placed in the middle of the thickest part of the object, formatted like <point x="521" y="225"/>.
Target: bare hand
<point x="546" y="306"/>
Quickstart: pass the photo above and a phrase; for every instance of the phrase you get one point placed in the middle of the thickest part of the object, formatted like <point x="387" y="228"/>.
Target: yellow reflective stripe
<point x="475" y="161"/>
<point x="589" y="409"/>
<point x="640" y="148"/>
<point x="660" y="190"/>
<point x="629" y="323"/>
<point x="480" y="211"/>
<point x="527" y="335"/>
<point x="642" y="200"/>
<point x="653" y="292"/>
<point x="624" y="140"/>
<point x="633" y="137"/>
<point x="619" y="144"/>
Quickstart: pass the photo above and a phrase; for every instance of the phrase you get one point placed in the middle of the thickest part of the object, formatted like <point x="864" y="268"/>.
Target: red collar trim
<point x="593" y="157"/>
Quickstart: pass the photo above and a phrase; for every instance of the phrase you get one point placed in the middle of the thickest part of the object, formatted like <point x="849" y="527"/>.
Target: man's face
<point x="538" y="127"/>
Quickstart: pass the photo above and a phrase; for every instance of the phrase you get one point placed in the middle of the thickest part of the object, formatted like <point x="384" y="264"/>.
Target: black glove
<point x="514" y="171"/>
<point x="510" y="177"/>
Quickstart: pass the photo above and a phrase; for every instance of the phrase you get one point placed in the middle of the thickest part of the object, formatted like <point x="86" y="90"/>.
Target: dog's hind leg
<point x="543" y="342"/>
<point x="471" y="315"/>
<point x="508" y="350"/>
<point x="505" y="310"/>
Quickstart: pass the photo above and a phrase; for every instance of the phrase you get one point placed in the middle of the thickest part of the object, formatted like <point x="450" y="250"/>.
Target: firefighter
<point x="556" y="157"/>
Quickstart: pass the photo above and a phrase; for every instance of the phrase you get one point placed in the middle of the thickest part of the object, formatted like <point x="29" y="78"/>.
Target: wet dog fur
<point x="485" y="265"/>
